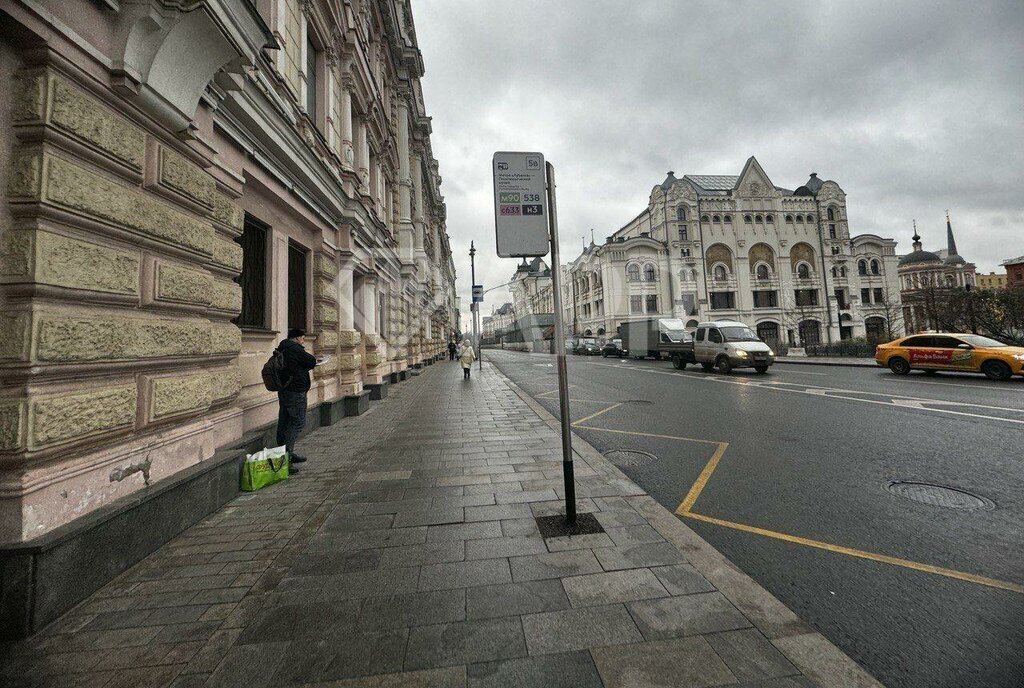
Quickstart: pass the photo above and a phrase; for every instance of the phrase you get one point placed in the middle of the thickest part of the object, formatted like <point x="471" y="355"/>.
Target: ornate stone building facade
<point x="923" y="272"/>
<point x="738" y="247"/>
<point x="183" y="182"/>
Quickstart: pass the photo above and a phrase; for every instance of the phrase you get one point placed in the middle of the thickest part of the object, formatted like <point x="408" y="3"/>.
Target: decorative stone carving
<point x="49" y="98"/>
<point x="180" y="394"/>
<point x="63" y="417"/>
<point x="186" y="178"/>
<point x="78" y="189"/>
<point x="179" y="284"/>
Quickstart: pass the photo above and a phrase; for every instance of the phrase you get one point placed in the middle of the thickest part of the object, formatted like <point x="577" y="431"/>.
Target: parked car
<point x="613" y="347"/>
<point x="951" y="351"/>
<point x="587" y="346"/>
<point x="727" y="344"/>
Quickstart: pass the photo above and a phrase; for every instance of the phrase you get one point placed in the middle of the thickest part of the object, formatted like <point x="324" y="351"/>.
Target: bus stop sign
<point x="520" y="205"/>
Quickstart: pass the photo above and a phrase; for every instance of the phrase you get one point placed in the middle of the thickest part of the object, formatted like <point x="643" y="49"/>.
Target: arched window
<point x="633" y="272"/>
<point x="842" y="271"/>
<point x="716" y="218"/>
<point x="874" y="267"/>
<point x="649" y="273"/>
<point x="862" y="267"/>
<point x="681" y="212"/>
<point x="800" y="218"/>
<point x="684" y="276"/>
<point x="789" y="219"/>
<point x="770" y="219"/>
<point x="747" y="219"/>
<point x="831" y="214"/>
<point x="704" y="218"/>
<point x="835" y="273"/>
<point x="720" y="273"/>
<point x="810" y="218"/>
<point x="758" y="219"/>
<point x="763" y="272"/>
<point x="693" y="275"/>
<point x="692" y="323"/>
<point x="803" y="271"/>
<point x="600" y="330"/>
<point x="588" y="333"/>
<point x="728" y="219"/>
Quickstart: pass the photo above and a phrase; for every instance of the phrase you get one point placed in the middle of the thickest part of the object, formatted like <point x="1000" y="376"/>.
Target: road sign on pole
<point x="520" y="205"/>
<point x="478" y="293"/>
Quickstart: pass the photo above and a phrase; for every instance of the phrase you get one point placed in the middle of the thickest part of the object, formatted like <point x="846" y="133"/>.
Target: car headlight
<point x="741" y="354"/>
<point x="771" y="353"/>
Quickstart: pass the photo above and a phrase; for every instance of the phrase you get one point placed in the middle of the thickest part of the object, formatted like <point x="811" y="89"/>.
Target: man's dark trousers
<point x="290" y="419"/>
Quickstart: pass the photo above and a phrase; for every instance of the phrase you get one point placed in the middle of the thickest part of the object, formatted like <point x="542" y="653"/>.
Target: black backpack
<point x="275" y="378"/>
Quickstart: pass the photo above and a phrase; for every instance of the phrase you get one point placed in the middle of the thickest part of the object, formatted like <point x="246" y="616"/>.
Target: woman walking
<point x="466" y="358"/>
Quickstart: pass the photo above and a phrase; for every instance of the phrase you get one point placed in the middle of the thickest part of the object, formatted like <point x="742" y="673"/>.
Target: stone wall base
<point x="379" y="391"/>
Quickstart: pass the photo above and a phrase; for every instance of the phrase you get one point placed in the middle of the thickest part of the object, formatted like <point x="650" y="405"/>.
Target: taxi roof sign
<point x="520" y="204"/>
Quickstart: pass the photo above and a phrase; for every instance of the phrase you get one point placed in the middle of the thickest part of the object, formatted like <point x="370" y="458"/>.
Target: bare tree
<point x="892" y="310"/>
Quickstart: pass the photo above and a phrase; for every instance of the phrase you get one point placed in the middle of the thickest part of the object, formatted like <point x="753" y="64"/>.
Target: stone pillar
<point x="363" y="156"/>
<point x="350" y="359"/>
<point x="345" y="96"/>
<point x="404" y="176"/>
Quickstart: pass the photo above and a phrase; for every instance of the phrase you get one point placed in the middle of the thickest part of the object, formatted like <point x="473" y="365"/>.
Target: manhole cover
<point x="630" y="457"/>
<point x="939" y="495"/>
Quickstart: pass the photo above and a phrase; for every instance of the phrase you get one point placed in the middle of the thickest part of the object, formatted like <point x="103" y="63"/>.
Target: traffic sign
<point x="478" y="293"/>
<point x="520" y="205"/>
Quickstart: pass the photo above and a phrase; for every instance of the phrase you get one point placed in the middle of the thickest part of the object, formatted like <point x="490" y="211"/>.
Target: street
<point x="791" y="476"/>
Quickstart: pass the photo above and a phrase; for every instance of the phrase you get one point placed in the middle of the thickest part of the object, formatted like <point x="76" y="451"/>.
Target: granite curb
<point x="808" y="650"/>
<point x="851" y="363"/>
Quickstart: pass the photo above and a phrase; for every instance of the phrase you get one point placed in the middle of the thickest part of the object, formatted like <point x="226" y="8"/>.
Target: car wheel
<point x="899" y="365"/>
<point x="761" y="369"/>
<point x="679" y="363"/>
<point x="724" y="367"/>
<point x="706" y="366"/>
<point x="604" y="354"/>
<point x="996" y="370"/>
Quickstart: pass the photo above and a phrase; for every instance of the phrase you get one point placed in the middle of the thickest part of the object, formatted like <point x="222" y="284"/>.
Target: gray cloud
<point x="912" y="107"/>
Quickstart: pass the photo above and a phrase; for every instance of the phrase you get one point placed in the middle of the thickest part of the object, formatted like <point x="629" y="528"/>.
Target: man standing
<point x="292" y="399"/>
<point x="451" y="349"/>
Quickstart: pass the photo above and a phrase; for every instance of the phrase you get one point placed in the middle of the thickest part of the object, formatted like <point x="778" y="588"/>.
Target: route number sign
<point x="520" y="205"/>
<point x="478" y="293"/>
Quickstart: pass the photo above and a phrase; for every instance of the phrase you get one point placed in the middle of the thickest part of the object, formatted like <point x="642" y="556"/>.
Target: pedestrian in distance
<point x="452" y="349"/>
<point x="291" y="398"/>
<point x="466" y="358"/>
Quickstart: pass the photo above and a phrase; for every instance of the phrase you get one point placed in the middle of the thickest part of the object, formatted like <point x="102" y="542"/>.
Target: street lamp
<point x="474" y="307"/>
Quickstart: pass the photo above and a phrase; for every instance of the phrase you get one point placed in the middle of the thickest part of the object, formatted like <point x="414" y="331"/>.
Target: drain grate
<point x="630" y="457"/>
<point x="940" y="495"/>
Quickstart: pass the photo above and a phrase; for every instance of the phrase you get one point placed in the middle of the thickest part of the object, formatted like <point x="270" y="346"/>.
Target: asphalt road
<point x="919" y="593"/>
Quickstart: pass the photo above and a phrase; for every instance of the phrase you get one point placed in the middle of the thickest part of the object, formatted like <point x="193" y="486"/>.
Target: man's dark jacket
<point x="298" y="362"/>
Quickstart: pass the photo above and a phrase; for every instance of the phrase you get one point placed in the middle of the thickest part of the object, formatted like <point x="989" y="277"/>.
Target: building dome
<point x="920" y="256"/>
<point x="955" y="260"/>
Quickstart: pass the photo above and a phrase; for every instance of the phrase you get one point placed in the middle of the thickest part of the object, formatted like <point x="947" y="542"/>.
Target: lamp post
<point x="474" y="307"/>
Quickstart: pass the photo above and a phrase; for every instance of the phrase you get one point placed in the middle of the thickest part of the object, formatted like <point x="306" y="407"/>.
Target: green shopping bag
<point x="265" y="467"/>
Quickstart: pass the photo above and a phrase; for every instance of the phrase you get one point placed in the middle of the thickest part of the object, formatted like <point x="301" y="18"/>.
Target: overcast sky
<point x="912" y="107"/>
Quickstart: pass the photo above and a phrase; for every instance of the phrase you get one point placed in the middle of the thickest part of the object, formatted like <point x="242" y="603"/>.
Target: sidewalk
<point x="847" y="361"/>
<point x="406" y="554"/>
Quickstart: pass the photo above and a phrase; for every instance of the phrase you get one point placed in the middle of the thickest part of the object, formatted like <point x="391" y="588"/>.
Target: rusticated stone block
<point x="51" y="99"/>
<point x="59" y="418"/>
<point x="325" y="289"/>
<point x="26" y="177"/>
<point x="64" y="338"/>
<point x="227" y="382"/>
<point x="67" y="262"/>
<point x="180" y="284"/>
<point x="349" y="337"/>
<point x="325" y="313"/>
<point x="328" y="339"/>
<point x="325" y="265"/>
<point x="225" y="338"/>
<point x="227" y="253"/>
<point x="180" y="394"/>
<point x="227" y="296"/>
<point x="373" y="359"/>
<point x="327" y="369"/>
<point x="350" y="362"/>
<point x="15" y="253"/>
<point x="14" y="336"/>
<point x="228" y="212"/>
<point x="12" y="423"/>
<point x="186" y="178"/>
<point x="78" y="189"/>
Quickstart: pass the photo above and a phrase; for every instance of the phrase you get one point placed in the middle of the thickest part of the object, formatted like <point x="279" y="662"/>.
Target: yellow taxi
<point x="950" y="351"/>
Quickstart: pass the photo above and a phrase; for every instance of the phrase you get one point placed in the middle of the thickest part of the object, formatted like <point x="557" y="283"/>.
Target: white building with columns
<point x="739" y="247"/>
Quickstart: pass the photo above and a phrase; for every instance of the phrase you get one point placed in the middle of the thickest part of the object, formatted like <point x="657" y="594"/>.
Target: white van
<point x="727" y="344"/>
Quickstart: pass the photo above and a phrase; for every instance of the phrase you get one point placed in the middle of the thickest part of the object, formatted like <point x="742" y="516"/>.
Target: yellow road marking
<point x="595" y="415"/>
<point x="861" y="554"/>
<point x="644" y="434"/>
<point x="703" y="478"/>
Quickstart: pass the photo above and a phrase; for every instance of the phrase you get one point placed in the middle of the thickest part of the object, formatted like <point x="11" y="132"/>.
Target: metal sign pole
<point x="563" y="383"/>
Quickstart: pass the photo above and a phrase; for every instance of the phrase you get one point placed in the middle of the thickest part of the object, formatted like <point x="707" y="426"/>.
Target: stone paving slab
<point x="406" y="554"/>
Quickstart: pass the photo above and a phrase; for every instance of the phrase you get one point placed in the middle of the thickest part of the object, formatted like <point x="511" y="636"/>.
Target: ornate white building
<point x="921" y="272"/>
<point x="739" y="247"/>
